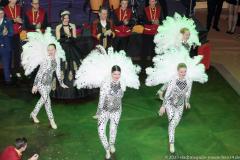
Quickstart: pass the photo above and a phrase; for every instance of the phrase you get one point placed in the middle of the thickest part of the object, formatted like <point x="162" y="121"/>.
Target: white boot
<point x="108" y="155"/>
<point x="112" y="149"/>
<point x="34" y="118"/>
<point x="53" y="124"/>
<point x="171" y="148"/>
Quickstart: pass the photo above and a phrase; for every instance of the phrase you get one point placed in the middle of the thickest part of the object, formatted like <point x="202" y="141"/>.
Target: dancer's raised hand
<point x="64" y="86"/>
<point x="34" y="157"/>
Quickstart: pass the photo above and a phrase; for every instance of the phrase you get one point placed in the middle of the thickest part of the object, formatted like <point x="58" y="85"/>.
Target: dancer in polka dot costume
<point x="109" y="109"/>
<point x="178" y="91"/>
<point x="115" y="72"/>
<point x="43" y="83"/>
<point x="43" y="49"/>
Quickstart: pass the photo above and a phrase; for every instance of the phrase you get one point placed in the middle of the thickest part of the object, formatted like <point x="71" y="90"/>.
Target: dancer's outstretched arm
<point x="103" y="94"/>
<point x="169" y="86"/>
<point x="188" y="95"/>
<point x="161" y="90"/>
<point x="58" y="73"/>
<point x="39" y="76"/>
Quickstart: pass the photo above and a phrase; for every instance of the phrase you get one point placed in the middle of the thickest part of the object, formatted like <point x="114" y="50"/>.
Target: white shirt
<point x="1" y="21"/>
<point x="103" y="23"/>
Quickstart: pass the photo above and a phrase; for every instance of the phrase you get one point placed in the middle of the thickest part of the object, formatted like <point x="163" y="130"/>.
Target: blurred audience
<point x="122" y="18"/>
<point x="13" y="13"/>
<point x="102" y="29"/>
<point x="232" y="15"/>
<point x="6" y="33"/>
<point x="214" y="10"/>
<point x="152" y="19"/>
<point x="35" y="17"/>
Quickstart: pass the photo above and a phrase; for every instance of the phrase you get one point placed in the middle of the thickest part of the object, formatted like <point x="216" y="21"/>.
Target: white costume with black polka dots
<point x="109" y="108"/>
<point x="177" y="95"/>
<point x="43" y="81"/>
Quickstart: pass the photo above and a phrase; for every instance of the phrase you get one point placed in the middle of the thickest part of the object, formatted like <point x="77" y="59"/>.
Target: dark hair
<point x="63" y="15"/>
<point x="52" y="44"/>
<point x="102" y="8"/>
<point x="20" y="142"/>
<point x="116" y="68"/>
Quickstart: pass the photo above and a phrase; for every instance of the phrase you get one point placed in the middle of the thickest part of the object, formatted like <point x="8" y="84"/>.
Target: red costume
<point x="13" y="13"/>
<point x="98" y="29"/>
<point x="122" y="30"/>
<point x="10" y="153"/>
<point x="152" y="14"/>
<point x="33" y="18"/>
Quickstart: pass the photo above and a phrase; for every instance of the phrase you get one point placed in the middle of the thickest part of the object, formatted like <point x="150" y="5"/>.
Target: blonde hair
<point x="181" y="65"/>
<point x="183" y="30"/>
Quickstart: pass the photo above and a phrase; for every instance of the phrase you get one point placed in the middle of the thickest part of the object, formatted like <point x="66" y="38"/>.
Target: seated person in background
<point x="151" y="22"/>
<point x="102" y="29"/>
<point x="164" y="7"/>
<point x="122" y="25"/>
<point x="15" y="152"/>
<point x="13" y="13"/>
<point x="35" y="18"/>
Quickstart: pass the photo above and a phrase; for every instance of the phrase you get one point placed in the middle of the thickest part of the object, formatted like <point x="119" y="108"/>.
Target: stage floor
<point x="210" y="128"/>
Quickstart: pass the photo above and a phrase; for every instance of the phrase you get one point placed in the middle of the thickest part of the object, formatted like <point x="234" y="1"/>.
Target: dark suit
<point x="189" y="6"/>
<point x="5" y="48"/>
<point x="214" y="10"/>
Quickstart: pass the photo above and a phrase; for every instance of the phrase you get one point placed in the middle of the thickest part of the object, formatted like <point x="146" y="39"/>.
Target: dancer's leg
<point x="102" y="123"/>
<point x="114" y="121"/>
<point x="235" y="17"/>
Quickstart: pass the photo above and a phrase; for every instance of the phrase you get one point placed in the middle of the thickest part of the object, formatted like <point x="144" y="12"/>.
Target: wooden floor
<point x="225" y="50"/>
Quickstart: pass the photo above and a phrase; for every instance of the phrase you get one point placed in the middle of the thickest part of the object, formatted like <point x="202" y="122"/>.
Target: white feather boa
<point x="96" y="68"/>
<point x="165" y="67"/>
<point x="169" y="35"/>
<point x="35" y="50"/>
<point x="170" y="52"/>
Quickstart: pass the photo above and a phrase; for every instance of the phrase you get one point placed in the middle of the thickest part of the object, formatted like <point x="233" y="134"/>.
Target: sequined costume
<point x="109" y="108"/>
<point x="172" y="48"/>
<point x="43" y="81"/>
<point x="177" y="95"/>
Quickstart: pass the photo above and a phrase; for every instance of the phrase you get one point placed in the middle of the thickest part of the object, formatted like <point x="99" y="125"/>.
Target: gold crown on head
<point x="65" y="13"/>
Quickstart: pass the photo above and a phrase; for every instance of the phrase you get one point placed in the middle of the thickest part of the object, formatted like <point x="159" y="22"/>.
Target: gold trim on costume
<point x="62" y="75"/>
<point x="75" y="65"/>
<point x="66" y="65"/>
<point x="70" y="76"/>
<point x="54" y="84"/>
<point x="104" y="39"/>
